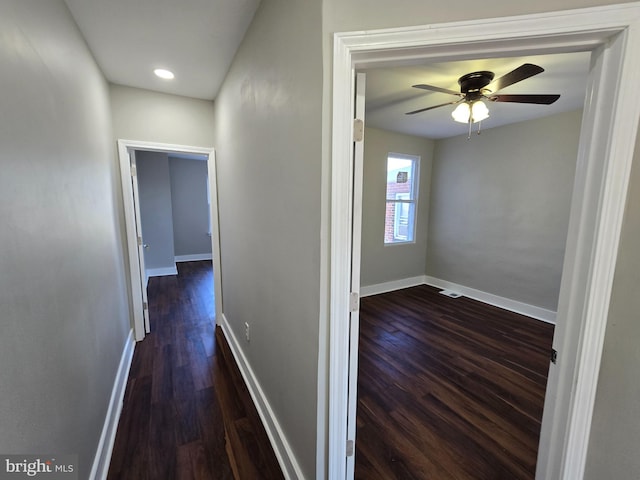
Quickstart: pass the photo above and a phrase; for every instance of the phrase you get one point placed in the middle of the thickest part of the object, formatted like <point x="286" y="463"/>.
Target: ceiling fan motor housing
<point x="471" y="84"/>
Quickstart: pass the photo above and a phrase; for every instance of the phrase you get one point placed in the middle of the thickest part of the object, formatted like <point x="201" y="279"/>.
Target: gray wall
<point x="615" y="434"/>
<point x="494" y="211"/>
<point x="63" y="306"/>
<point x="382" y="263"/>
<point x="189" y="206"/>
<point x="615" y="442"/>
<point x="268" y="143"/>
<point x="341" y="16"/>
<point x="143" y="115"/>
<point x="500" y="208"/>
<point x="156" y="216"/>
<point x="158" y="117"/>
<point x="173" y="208"/>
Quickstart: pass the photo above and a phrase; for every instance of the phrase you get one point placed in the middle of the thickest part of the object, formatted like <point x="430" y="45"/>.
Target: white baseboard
<point x="288" y="463"/>
<point x="161" y="272"/>
<point x="102" y="459"/>
<point x="193" y="258"/>
<point x="532" y="311"/>
<point x="391" y="286"/>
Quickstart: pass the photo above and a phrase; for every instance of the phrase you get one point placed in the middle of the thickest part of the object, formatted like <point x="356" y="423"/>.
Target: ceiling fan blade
<point x="437" y="89"/>
<point x="539" y="99"/>
<point x="431" y="108"/>
<point x="523" y="72"/>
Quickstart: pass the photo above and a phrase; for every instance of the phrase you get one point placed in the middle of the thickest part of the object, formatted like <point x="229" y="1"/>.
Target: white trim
<point x="391" y="286"/>
<point x="161" y="272"/>
<point x="607" y="141"/>
<point x="287" y="460"/>
<point x="215" y="234"/>
<point x="340" y="260"/>
<point x="621" y="123"/>
<point x="360" y="84"/>
<point x="193" y="257"/>
<point x="124" y="147"/>
<point x="102" y="459"/>
<point x="136" y="285"/>
<point x="413" y="201"/>
<point x="548" y="316"/>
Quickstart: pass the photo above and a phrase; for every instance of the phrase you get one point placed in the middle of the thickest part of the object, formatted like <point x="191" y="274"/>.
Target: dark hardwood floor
<point x="187" y="413"/>
<point x="448" y="388"/>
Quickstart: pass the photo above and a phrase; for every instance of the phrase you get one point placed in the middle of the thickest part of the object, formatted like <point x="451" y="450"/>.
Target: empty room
<point x="463" y="235"/>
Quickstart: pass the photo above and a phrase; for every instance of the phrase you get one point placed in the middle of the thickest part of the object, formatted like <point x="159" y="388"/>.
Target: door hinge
<point x="554" y="355"/>
<point x="145" y="305"/>
<point x="134" y="170"/>
<point x="349" y="448"/>
<point x="139" y="241"/>
<point x="358" y="130"/>
<point x="354" y="302"/>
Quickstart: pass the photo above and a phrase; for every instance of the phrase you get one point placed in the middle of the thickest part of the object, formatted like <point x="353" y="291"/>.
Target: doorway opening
<point x="160" y="192"/>
<point x="468" y="225"/>
<point x="604" y="160"/>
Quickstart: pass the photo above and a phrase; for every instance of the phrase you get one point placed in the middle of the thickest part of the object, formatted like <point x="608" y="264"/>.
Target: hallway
<point x="182" y="392"/>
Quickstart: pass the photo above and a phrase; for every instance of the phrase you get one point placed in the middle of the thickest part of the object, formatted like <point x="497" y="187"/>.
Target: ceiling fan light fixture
<point x="462" y="113"/>
<point x="479" y="111"/>
<point x="470" y="112"/>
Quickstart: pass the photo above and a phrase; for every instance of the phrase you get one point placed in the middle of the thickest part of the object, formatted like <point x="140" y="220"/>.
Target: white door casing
<point x="215" y="232"/>
<point x="132" y="214"/>
<point x="607" y="139"/>
<point x="358" y="165"/>
<point x="139" y="239"/>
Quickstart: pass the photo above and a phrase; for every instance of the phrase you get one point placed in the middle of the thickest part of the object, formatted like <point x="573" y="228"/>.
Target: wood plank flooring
<point x="448" y="388"/>
<point x="187" y="413"/>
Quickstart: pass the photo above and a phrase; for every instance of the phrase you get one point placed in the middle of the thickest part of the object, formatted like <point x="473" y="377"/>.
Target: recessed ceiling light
<point x="162" y="73"/>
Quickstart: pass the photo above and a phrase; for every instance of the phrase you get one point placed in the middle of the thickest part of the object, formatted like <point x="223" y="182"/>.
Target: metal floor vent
<point x="450" y="293"/>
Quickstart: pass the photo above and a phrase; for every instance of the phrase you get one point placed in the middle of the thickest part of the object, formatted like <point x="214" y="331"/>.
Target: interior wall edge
<point x="196" y="257"/>
<point x="392" y="286"/>
<point x="515" y="306"/>
<point x="161" y="272"/>
<point x="539" y="313"/>
<point x="102" y="459"/>
<point x="287" y="460"/>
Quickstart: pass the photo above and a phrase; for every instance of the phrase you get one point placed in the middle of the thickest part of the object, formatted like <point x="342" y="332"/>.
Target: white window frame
<point x="411" y="201"/>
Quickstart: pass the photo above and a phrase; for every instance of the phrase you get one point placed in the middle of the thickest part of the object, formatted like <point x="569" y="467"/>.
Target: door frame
<point x="607" y="140"/>
<point x="125" y="148"/>
<point x="354" y="319"/>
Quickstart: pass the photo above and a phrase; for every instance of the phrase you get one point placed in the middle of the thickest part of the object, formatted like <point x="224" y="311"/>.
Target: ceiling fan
<point x="478" y="86"/>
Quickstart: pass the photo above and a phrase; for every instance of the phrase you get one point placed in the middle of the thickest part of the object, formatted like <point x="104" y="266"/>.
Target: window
<point x="402" y="196"/>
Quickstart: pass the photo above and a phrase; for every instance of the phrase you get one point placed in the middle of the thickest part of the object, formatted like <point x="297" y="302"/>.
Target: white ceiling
<point x="196" y="39"/>
<point x="389" y="94"/>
